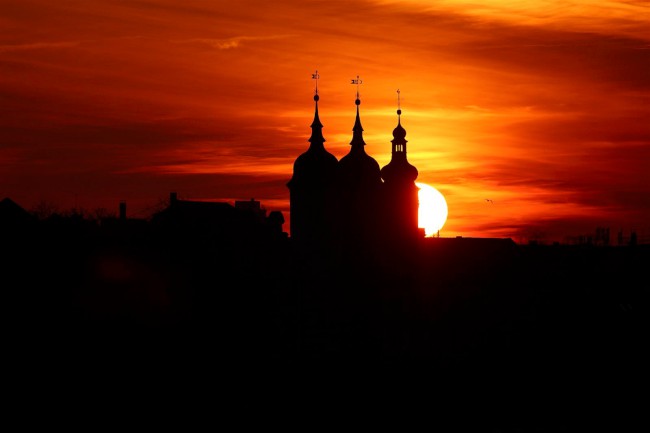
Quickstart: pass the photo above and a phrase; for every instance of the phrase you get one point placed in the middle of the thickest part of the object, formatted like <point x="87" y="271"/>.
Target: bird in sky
<point x="487" y="199"/>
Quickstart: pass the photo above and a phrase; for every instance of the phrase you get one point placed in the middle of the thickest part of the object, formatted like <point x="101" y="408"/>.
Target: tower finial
<point x="316" y="138"/>
<point x="399" y="143"/>
<point x="357" y="137"/>
<point x="315" y="76"/>
<point x="399" y="107"/>
<point x="358" y="82"/>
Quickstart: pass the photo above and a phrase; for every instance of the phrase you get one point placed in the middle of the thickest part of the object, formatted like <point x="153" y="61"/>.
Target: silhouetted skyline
<point x="210" y="288"/>
<point x="544" y="114"/>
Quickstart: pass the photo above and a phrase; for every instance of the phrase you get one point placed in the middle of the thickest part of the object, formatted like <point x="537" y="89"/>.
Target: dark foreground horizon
<point x="465" y="311"/>
<point x="437" y="301"/>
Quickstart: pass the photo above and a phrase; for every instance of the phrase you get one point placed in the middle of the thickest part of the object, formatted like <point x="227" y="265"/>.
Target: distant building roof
<point x="11" y="213"/>
<point x="196" y="211"/>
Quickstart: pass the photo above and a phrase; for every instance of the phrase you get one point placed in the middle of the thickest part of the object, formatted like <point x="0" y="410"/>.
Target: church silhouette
<point x="352" y="205"/>
<point x="220" y="290"/>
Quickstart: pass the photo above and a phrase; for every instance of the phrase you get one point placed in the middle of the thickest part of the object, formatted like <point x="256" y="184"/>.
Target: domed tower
<point x="400" y="196"/>
<point x="358" y="187"/>
<point x="311" y="187"/>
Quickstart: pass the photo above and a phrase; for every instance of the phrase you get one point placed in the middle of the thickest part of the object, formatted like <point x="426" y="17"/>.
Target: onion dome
<point x="399" y="169"/>
<point x="316" y="164"/>
<point x="357" y="167"/>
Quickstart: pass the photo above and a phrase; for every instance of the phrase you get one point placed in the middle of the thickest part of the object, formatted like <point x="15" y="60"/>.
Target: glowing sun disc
<point x="432" y="212"/>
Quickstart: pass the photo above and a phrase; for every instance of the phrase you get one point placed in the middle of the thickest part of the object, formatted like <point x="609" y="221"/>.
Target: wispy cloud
<point x="230" y="43"/>
<point x="37" y="46"/>
<point x="614" y="17"/>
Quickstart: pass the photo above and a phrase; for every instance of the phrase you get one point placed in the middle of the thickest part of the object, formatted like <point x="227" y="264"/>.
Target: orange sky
<point x="541" y="106"/>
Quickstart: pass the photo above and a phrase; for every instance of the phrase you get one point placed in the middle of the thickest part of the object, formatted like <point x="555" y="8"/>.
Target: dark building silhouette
<point x="195" y="216"/>
<point x="217" y="220"/>
<point x="311" y="188"/>
<point x="251" y="206"/>
<point x="358" y="189"/>
<point x="400" y="191"/>
<point x="347" y="201"/>
<point x="13" y="215"/>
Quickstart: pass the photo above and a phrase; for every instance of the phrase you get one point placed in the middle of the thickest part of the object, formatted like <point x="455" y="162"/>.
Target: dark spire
<point x="316" y="126"/>
<point x="399" y="142"/>
<point x="357" y="136"/>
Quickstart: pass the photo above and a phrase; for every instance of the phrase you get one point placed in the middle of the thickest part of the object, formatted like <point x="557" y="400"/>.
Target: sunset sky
<point x="542" y="107"/>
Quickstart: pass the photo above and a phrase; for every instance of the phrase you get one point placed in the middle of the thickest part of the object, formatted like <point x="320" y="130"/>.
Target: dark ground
<point x="526" y="331"/>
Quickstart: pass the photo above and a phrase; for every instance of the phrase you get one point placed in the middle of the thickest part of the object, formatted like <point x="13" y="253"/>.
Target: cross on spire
<point x="315" y="76"/>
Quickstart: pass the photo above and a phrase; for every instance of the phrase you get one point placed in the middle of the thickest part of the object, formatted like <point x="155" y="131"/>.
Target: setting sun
<point x="432" y="212"/>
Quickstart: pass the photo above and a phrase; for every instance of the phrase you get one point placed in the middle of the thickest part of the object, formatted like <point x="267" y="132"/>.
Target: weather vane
<point x="357" y="81"/>
<point x="315" y="76"/>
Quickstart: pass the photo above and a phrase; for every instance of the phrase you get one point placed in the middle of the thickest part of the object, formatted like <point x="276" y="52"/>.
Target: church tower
<point x="400" y="193"/>
<point x="358" y="188"/>
<point x="311" y="187"/>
